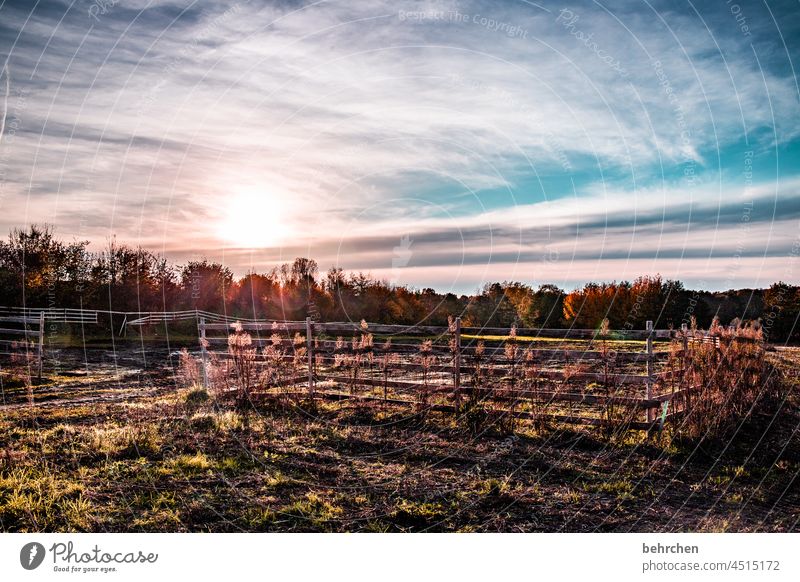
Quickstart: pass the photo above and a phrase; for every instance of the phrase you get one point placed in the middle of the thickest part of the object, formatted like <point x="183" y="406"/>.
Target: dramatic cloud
<point x="473" y="140"/>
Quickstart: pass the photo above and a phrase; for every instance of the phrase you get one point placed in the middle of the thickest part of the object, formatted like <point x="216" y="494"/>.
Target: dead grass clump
<point x="128" y="442"/>
<point x="202" y="422"/>
<point x="386" y="364"/>
<point x="244" y="377"/>
<point x="35" y="499"/>
<point x="197" y="397"/>
<point x="222" y="421"/>
<point x="472" y="413"/>
<point x="20" y="370"/>
<point x="242" y="361"/>
<point x="616" y="414"/>
<point x="228" y="421"/>
<point x="311" y="512"/>
<point x="187" y="465"/>
<point x="188" y="374"/>
<point x="532" y="388"/>
<point x="727" y="376"/>
<point x="354" y="357"/>
<point x="426" y="360"/>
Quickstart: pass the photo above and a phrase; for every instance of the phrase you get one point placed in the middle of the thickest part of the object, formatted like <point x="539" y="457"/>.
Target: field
<point x="112" y="442"/>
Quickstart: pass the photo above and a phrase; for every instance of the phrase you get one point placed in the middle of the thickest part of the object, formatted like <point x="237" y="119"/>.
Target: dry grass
<point x="109" y="457"/>
<point x="728" y="375"/>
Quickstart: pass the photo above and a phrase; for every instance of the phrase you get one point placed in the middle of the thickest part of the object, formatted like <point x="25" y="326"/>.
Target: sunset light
<point x="254" y="218"/>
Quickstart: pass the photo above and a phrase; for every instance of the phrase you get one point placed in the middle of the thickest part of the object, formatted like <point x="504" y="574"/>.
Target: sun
<point x="254" y="218"/>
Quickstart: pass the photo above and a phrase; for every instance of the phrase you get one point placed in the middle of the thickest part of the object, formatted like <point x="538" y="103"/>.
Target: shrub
<point x="726" y="375"/>
<point x="512" y="351"/>
<point x="426" y="360"/>
<point x="532" y="386"/>
<point x="617" y="416"/>
<point x="243" y="363"/>
<point x="472" y="412"/>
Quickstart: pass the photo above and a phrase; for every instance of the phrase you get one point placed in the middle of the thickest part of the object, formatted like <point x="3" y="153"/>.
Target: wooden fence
<point x="53" y="314"/>
<point x="22" y="336"/>
<point x="576" y="376"/>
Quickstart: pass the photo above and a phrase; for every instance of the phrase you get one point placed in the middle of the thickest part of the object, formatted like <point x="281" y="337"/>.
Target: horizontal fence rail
<point x="57" y="315"/>
<point x="23" y="338"/>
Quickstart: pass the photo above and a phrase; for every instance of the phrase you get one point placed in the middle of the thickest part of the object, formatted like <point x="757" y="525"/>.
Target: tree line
<point x="39" y="270"/>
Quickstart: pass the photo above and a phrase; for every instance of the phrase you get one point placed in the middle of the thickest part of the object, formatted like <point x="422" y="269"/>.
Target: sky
<point x="441" y="144"/>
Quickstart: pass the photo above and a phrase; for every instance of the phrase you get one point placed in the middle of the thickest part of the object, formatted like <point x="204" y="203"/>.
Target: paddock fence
<point x="22" y="339"/>
<point x="633" y="378"/>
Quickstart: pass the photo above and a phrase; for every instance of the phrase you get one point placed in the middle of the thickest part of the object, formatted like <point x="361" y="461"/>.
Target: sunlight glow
<point x="253" y="218"/>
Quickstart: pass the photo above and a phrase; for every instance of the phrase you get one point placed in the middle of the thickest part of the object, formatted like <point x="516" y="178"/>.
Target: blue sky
<point x="434" y="143"/>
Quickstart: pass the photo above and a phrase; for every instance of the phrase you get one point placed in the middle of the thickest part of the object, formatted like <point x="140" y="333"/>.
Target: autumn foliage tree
<point x="627" y="305"/>
<point x="38" y="270"/>
<point x="204" y="285"/>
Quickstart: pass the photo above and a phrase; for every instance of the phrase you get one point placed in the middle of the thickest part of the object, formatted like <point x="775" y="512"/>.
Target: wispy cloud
<point x="504" y="130"/>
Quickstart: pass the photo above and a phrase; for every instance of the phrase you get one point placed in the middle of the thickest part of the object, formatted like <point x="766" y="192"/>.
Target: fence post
<point x="310" y="353"/>
<point x="203" y="351"/>
<point x="650" y="358"/>
<point x="41" y="341"/>
<point x="685" y="365"/>
<point x="457" y="360"/>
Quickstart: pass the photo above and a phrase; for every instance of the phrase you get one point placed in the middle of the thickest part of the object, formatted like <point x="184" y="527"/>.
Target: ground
<point x="113" y="447"/>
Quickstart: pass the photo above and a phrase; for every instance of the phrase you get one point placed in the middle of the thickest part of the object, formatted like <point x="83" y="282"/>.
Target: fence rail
<point x="53" y="314"/>
<point x="31" y="331"/>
